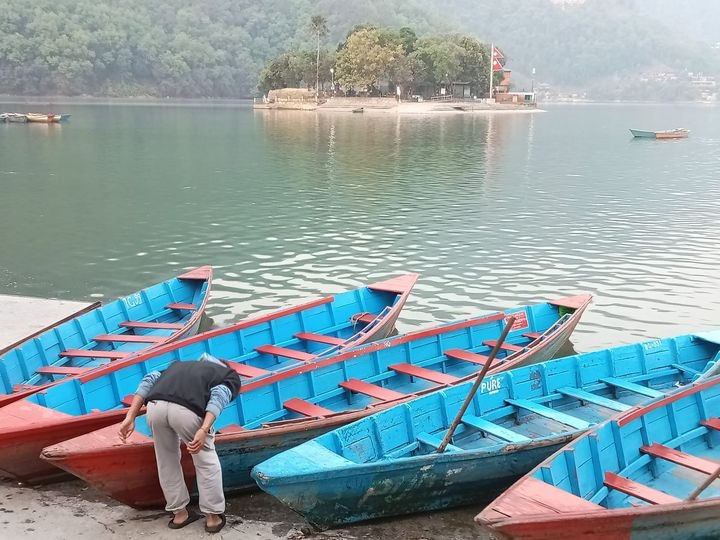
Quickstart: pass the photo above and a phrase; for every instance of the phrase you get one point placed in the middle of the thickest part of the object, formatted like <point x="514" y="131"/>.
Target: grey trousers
<point x="171" y="423"/>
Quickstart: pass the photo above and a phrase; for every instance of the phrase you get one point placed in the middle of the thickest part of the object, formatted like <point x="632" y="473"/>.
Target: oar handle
<point x="496" y="349"/>
<point x="702" y="487"/>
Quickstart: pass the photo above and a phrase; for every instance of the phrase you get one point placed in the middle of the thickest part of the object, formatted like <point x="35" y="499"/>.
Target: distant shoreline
<point x="248" y="102"/>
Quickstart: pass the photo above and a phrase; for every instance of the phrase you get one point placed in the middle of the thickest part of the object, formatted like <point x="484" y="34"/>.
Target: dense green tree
<point x="365" y="59"/>
<point x="318" y="25"/>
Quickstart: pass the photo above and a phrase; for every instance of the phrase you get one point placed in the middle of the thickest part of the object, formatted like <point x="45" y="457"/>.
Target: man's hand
<point x="126" y="428"/>
<point x="198" y="442"/>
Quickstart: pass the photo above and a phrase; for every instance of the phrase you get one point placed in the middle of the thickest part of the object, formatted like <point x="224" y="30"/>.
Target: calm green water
<point x="492" y="210"/>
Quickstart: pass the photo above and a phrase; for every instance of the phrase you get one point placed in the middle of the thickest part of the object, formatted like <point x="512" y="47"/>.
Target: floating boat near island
<point x="107" y="334"/>
<point x="16" y="118"/>
<point x="42" y="118"/>
<point x="388" y="464"/>
<point x="678" y="133"/>
<point x="277" y="411"/>
<point x="646" y="475"/>
<point x="291" y="338"/>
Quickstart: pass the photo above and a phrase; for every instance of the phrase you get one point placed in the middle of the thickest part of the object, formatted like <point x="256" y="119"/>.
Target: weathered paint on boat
<point x="171" y="310"/>
<point x="628" y="479"/>
<point x="261" y="422"/>
<point x="387" y="464"/>
<point x="679" y="133"/>
<point x="257" y="347"/>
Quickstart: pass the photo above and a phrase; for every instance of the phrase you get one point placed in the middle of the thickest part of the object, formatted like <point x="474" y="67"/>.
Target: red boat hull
<point x="20" y="448"/>
<point x="684" y="520"/>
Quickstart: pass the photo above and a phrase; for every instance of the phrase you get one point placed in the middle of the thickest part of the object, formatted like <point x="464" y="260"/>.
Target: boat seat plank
<point x="583" y="395"/>
<point x="89" y="353"/>
<point x="320" y="338"/>
<point x="61" y="370"/>
<point x="495" y="430"/>
<point x="181" y="305"/>
<point x="547" y="412"/>
<point x="532" y="335"/>
<point x="155" y="325"/>
<point x="127" y="400"/>
<point x="23" y="387"/>
<point x="306" y="408"/>
<point x="467" y="356"/>
<point x="533" y="496"/>
<point x="680" y="458"/>
<point x="632" y="387"/>
<point x="285" y="352"/>
<point x="637" y="490"/>
<point x="505" y="346"/>
<point x="246" y="371"/>
<point x="424" y="373"/>
<point x="435" y="442"/>
<point x="366" y="318"/>
<point x="372" y="390"/>
<point x="690" y="371"/>
<point x="712" y="423"/>
<point x="129" y="338"/>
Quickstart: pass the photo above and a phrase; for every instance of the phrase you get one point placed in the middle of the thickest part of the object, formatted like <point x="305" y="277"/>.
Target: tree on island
<point x="318" y="24"/>
<point x="365" y="58"/>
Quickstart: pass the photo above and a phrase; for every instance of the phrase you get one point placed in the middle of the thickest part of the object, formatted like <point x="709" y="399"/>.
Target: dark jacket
<point x="189" y="384"/>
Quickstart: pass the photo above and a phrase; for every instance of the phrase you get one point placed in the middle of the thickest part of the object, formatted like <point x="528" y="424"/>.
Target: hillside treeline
<point x="217" y="48"/>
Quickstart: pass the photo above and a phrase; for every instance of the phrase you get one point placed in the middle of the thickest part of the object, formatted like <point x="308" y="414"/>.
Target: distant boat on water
<point x="46" y="118"/>
<point x="40" y="118"/>
<point x="677" y="133"/>
<point x="13" y="118"/>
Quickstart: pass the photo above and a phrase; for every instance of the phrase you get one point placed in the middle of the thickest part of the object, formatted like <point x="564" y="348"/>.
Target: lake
<point x="493" y="210"/>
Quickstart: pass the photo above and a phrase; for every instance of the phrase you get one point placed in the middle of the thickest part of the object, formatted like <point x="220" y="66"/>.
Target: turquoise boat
<point x="105" y="335"/>
<point x="647" y="475"/>
<point x="275" y="412"/>
<point x="678" y="133"/>
<point x="387" y="464"/>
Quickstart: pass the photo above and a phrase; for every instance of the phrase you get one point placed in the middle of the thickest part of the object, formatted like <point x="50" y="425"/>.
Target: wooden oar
<point x="702" y="487"/>
<point x="496" y="349"/>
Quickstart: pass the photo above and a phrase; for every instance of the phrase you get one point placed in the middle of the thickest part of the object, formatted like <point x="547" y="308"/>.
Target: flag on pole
<point x="496" y="53"/>
<point x="496" y="65"/>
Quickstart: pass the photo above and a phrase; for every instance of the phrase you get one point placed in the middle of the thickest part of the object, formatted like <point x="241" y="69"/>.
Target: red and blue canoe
<point x="106" y="334"/>
<point x="294" y="338"/>
<point x="647" y="475"/>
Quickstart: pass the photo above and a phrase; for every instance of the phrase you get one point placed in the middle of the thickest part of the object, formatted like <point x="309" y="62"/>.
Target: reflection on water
<point x="492" y="210"/>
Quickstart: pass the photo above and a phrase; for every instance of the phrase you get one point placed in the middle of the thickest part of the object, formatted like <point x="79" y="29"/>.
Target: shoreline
<point x="390" y="106"/>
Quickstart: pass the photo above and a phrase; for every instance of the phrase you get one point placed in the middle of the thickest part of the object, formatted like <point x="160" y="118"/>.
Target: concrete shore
<point x="71" y="509"/>
<point x="390" y="105"/>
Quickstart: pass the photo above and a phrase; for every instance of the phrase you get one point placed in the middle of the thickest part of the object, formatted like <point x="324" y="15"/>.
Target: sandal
<point x="192" y="517"/>
<point x="218" y="527"/>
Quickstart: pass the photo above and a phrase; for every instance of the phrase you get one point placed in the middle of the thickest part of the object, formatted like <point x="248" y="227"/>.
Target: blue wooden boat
<point x="275" y="412"/>
<point x="677" y="133"/>
<point x="387" y="464"/>
<point x="647" y="475"/>
<point x="289" y="338"/>
<point x="108" y="334"/>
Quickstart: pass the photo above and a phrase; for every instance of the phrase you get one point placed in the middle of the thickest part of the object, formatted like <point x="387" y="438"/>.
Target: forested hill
<point x="216" y="48"/>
